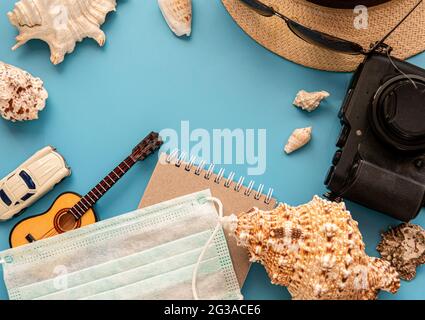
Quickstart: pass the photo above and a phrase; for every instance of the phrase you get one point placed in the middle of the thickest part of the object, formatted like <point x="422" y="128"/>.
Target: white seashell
<point x="299" y="138"/>
<point x="309" y="101"/>
<point x="178" y="15"/>
<point x="22" y="96"/>
<point x="60" y="23"/>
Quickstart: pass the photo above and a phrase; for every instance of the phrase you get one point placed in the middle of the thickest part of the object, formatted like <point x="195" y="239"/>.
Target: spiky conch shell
<point x="299" y="138"/>
<point x="22" y="96"/>
<point x="178" y="15"/>
<point x="404" y="247"/>
<point x="61" y="23"/>
<point x="309" y="101"/>
<point x="316" y="250"/>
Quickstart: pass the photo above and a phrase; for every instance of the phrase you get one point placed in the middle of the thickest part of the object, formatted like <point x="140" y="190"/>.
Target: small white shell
<point x="299" y="138"/>
<point x="178" y="15"/>
<point x="309" y="101"/>
<point x="22" y="96"/>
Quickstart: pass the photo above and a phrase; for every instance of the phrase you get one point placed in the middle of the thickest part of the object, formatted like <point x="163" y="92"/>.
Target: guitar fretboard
<point x="88" y="201"/>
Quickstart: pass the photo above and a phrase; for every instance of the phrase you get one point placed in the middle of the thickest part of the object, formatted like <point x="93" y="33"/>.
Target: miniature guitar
<point x="71" y="211"/>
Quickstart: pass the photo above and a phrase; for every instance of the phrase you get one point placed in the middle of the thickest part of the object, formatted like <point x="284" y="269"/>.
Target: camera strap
<point x="378" y="44"/>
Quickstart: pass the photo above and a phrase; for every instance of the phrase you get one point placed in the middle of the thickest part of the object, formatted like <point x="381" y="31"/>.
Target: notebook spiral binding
<point x="178" y="158"/>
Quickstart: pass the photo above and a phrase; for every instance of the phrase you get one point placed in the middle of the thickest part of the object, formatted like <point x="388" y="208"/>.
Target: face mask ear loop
<point x="204" y="250"/>
<point x="401" y="71"/>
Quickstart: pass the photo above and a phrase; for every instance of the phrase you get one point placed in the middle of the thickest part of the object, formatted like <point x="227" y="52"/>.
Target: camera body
<point x="380" y="161"/>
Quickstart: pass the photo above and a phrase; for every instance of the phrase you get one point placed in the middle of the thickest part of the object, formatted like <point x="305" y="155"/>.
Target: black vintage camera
<point x="380" y="162"/>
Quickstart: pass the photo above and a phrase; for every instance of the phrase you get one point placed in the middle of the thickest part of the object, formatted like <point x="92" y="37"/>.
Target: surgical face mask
<point x="173" y="250"/>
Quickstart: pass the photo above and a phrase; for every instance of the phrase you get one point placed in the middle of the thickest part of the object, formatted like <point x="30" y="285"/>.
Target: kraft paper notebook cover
<point x="173" y="178"/>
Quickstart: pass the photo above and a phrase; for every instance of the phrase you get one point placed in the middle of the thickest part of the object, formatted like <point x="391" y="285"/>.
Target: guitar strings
<point x="51" y="234"/>
<point x="48" y="233"/>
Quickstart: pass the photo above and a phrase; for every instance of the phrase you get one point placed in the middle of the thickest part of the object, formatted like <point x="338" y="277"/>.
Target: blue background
<point x="104" y="100"/>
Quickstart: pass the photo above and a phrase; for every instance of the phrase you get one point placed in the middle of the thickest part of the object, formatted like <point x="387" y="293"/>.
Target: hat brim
<point x="273" y="33"/>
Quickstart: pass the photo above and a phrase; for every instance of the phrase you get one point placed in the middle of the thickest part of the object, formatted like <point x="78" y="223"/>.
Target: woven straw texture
<point x="273" y="34"/>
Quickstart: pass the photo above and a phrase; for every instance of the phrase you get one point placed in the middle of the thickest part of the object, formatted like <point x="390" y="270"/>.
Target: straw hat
<point x="329" y="17"/>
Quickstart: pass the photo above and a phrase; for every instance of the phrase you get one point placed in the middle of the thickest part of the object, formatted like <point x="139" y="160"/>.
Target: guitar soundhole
<point x="65" y="221"/>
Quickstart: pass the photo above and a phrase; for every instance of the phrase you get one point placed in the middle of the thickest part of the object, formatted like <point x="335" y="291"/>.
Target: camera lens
<point x="398" y="113"/>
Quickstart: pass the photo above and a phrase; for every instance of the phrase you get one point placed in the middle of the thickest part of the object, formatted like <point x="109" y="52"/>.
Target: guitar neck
<point x="94" y="195"/>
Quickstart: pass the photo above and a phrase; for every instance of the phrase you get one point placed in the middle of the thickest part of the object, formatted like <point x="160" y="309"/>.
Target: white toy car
<point x="30" y="181"/>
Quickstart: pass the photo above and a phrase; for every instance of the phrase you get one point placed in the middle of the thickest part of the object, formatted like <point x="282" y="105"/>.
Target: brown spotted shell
<point x="404" y="247"/>
<point x="22" y="96"/>
<point x="316" y="250"/>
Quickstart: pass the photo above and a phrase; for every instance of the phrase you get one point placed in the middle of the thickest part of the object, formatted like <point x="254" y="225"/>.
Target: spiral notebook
<point x="173" y="177"/>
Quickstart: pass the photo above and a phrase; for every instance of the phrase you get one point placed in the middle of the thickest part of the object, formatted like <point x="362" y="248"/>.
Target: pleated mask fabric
<point x="146" y="254"/>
